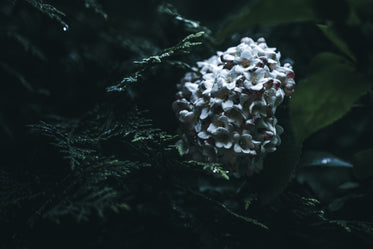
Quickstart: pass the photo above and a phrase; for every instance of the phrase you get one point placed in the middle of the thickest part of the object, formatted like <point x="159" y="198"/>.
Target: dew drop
<point x="65" y="28"/>
<point x="325" y="161"/>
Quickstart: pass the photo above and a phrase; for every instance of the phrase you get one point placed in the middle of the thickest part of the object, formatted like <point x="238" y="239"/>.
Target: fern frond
<point x="182" y="47"/>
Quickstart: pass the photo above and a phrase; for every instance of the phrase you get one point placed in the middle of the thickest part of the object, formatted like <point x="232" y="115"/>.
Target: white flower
<point x="227" y="106"/>
<point x="223" y="137"/>
<point x="244" y="143"/>
<point x="186" y="116"/>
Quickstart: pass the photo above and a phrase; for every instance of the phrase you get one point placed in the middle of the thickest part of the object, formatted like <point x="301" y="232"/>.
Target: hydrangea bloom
<point x="227" y="105"/>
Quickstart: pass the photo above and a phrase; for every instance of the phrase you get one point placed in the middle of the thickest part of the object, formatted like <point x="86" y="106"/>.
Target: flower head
<point x="227" y="107"/>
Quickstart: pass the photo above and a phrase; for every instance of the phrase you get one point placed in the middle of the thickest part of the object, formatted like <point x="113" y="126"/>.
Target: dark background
<point x="60" y="130"/>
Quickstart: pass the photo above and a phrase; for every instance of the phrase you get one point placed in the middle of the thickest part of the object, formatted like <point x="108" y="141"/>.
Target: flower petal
<point x="227" y="105"/>
<point x="186" y="116"/>
<point x="203" y="135"/>
<point x="237" y="148"/>
<point x="204" y="113"/>
<point x="257" y="87"/>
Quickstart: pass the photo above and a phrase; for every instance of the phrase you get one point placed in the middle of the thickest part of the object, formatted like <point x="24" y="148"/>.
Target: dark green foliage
<point x="333" y="36"/>
<point x="83" y="165"/>
<point x="268" y="12"/>
<point x="182" y="47"/>
<point x="51" y="11"/>
<point x="96" y="6"/>
<point x="190" y="26"/>
<point x="333" y="86"/>
<point x="363" y="164"/>
<point x="95" y="175"/>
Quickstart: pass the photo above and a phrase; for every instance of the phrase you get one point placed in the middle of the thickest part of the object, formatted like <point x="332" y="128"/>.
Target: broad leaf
<point x="334" y="37"/>
<point x="322" y="159"/>
<point x="326" y="95"/>
<point x="268" y="12"/>
<point x="325" y="174"/>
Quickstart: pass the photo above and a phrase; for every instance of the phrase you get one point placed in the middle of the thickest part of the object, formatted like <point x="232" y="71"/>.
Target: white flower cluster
<point x="227" y="106"/>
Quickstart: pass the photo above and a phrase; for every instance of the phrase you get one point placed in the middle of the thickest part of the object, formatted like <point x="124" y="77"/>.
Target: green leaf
<point x="326" y="95"/>
<point x="363" y="167"/>
<point x="334" y="37"/>
<point x="268" y="12"/>
<point x="323" y="159"/>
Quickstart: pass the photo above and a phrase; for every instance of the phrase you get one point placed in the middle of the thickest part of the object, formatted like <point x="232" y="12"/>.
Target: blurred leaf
<point x="268" y="12"/>
<point x="332" y="35"/>
<point x="364" y="164"/>
<point x="340" y="202"/>
<point x="191" y="26"/>
<point x="96" y="6"/>
<point x="51" y="11"/>
<point x="322" y="158"/>
<point x="27" y="44"/>
<point x="326" y="95"/>
<point x="215" y="168"/>
<point x="335" y="11"/>
<point x="325" y="174"/>
<point x="364" y="8"/>
<point x="11" y="71"/>
<point x="361" y="18"/>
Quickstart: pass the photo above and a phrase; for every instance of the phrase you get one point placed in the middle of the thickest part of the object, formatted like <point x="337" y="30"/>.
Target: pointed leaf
<point x="326" y="95"/>
<point x="334" y="37"/>
<point x="322" y="159"/>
